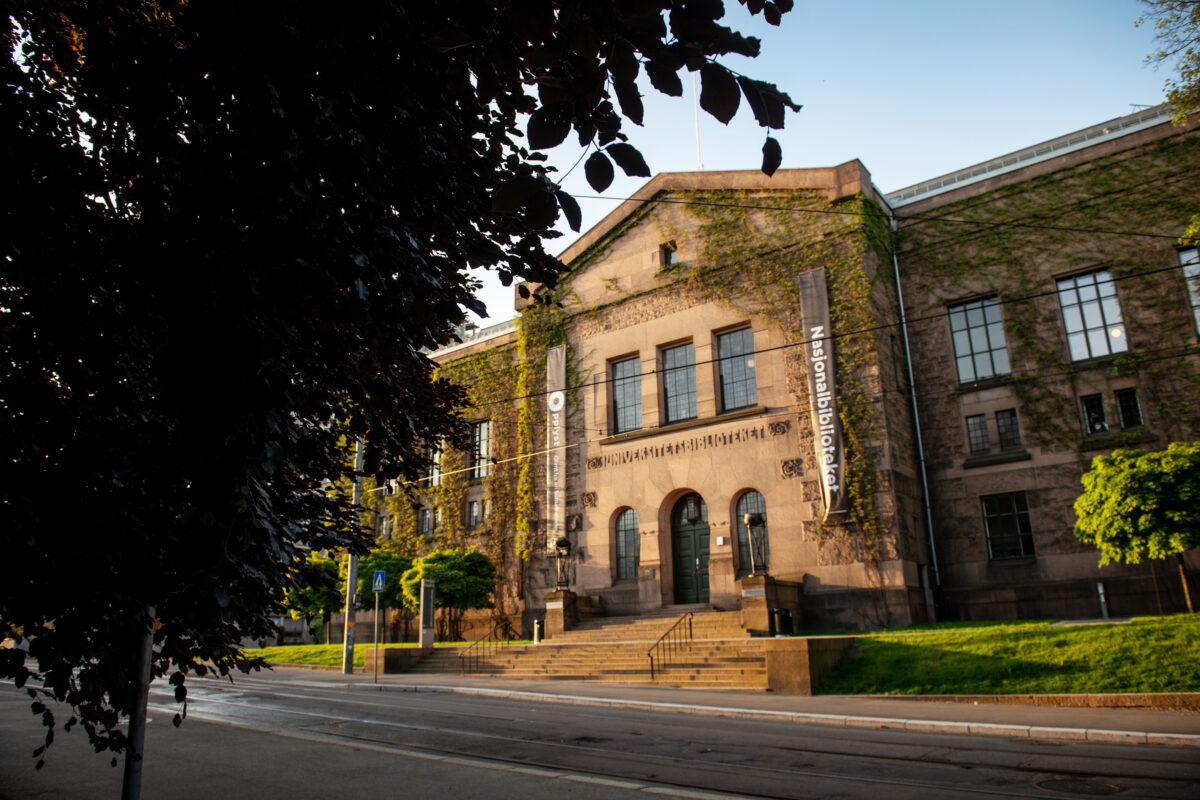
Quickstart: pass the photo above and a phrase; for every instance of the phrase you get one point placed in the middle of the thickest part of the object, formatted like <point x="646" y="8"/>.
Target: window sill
<point x="988" y="459"/>
<point x="1114" y="439"/>
<point x="986" y="383"/>
<point x="1015" y="561"/>
<point x="699" y="422"/>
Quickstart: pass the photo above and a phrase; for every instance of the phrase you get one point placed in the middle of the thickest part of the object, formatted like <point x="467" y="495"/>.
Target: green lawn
<point x="329" y="655"/>
<point x="1149" y="654"/>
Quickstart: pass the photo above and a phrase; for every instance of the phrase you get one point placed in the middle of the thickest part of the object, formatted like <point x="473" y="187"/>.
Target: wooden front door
<point x="689" y="547"/>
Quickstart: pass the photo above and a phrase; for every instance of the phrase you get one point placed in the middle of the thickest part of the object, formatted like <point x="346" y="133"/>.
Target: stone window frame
<point x="977" y="332"/>
<point x="625" y="387"/>
<point x="736" y="372"/>
<point x="1006" y="523"/>
<point x="678" y="382"/>
<point x="627" y="544"/>
<point x="1189" y="265"/>
<point x="1090" y="309"/>
<point x="751" y="501"/>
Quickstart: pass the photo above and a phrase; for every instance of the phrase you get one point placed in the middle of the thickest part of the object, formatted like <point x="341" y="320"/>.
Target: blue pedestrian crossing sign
<point x="380" y="578"/>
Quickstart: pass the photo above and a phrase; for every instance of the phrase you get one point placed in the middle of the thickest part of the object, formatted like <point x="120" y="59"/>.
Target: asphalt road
<point x="271" y="736"/>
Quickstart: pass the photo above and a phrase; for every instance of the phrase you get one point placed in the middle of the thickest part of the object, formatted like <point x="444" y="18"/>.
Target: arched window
<point x="628" y="545"/>
<point x="750" y="503"/>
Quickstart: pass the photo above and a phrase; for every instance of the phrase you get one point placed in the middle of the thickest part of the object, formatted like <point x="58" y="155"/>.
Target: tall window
<point x="1190" y="260"/>
<point x="1006" y="521"/>
<point x="627" y="395"/>
<point x="628" y="545"/>
<point x="1128" y="408"/>
<point x="980" y="351"/>
<point x="425" y="521"/>
<point x="383" y="527"/>
<point x="481" y="450"/>
<point x="1092" y="315"/>
<point x="473" y="518"/>
<point x="1009" y="430"/>
<point x="736" y="367"/>
<point x="750" y="503"/>
<point x="977" y="433"/>
<point x="679" y="382"/>
<point x="433" y="474"/>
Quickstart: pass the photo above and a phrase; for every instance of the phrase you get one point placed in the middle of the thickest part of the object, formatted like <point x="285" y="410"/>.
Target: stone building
<point x="727" y="344"/>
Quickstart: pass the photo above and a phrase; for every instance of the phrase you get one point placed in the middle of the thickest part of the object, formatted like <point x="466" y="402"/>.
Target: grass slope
<point x="1150" y="654"/>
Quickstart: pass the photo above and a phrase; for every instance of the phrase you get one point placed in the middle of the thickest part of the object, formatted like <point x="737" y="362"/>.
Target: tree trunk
<point x="1187" y="595"/>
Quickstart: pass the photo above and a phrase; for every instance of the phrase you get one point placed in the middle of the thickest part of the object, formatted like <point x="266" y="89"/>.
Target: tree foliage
<point x="315" y="593"/>
<point x="464" y="578"/>
<point x="394" y="566"/>
<point x="233" y="229"/>
<point x="1137" y="505"/>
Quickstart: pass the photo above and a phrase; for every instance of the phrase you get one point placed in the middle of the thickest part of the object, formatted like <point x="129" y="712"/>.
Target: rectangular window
<point x="1006" y="521"/>
<point x="1189" y="259"/>
<point x="425" y="522"/>
<point x="679" y="382"/>
<point x="1092" y="315"/>
<point x="481" y="450"/>
<point x="977" y="434"/>
<point x="473" y="519"/>
<point x="1009" y="430"/>
<point x="383" y="528"/>
<point x="668" y="254"/>
<point x="735" y="352"/>
<point x="1094" y="419"/>
<point x="977" y="329"/>
<point x="1128" y="408"/>
<point x="627" y="395"/>
<point x="433" y="474"/>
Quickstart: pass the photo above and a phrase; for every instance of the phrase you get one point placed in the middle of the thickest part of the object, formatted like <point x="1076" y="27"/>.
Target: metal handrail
<point x="670" y="643"/>
<point x="470" y="658"/>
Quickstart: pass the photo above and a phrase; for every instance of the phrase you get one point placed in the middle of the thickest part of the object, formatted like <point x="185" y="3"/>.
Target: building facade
<point x="903" y="390"/>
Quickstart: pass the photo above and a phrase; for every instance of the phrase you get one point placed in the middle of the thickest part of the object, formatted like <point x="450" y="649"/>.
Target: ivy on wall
<point x="1077" y="219"/>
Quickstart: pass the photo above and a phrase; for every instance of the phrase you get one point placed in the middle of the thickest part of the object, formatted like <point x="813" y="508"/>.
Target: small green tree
<point x="392" y="595"/>
<point x="316" y="593"/>
<point x="464" y="579"/>
<point x="1139" y="505"/>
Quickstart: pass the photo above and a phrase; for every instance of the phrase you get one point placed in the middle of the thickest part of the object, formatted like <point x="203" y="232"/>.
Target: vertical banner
<point x="822" y="392"/>
<point x="556" y="440"/>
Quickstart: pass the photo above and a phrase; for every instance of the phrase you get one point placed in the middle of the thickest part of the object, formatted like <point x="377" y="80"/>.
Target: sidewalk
<point x="1123" y="725"/>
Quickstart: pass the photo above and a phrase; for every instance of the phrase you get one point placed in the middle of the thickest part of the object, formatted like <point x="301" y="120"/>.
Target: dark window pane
<point x="751" y="502"/>
<point x="978" y="335"/>
<point x="977" y="434"/>
<point x="679" y="382"/>
<point x="1006" y="523"/>
<point x="1094" y="325"/>
<point x="1007" y="427"/>
<point x="736" y="366"/>
<point x="628" y="545"/>
<point x="1129" y="408"/>
<point x="1094" y="419"/>
<point x="627" y="395"/>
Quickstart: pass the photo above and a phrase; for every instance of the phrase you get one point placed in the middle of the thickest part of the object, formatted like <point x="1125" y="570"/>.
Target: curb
<point x="1033" y="732"/>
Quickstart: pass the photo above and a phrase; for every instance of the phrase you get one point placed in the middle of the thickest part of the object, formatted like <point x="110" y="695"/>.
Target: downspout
<point x="912" y="391"/>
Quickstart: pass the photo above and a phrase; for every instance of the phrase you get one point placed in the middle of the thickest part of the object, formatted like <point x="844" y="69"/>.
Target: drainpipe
<point x="912" y="390"/>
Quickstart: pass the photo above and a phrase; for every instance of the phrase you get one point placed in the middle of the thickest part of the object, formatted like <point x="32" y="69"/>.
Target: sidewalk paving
<point x="1127" y="725"/>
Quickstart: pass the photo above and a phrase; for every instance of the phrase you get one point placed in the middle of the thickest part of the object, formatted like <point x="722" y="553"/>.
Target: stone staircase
<point x="721" y="654"/>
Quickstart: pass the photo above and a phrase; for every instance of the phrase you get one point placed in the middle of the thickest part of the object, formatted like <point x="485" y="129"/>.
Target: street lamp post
<point x="352" y="569"/>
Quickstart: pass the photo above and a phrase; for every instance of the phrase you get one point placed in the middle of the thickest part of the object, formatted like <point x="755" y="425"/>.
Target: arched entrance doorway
<point x="689" y="549"/>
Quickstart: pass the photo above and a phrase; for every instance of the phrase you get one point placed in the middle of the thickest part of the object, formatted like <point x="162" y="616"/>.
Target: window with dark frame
<point x="425" y="522"/>
<point x="679" y="382"/>
<point x="977" y="434"/>
<point x="1095" y="421"/>
<point x="1092" y="315"/>
<point x="735" y="366"/>
<point x="628" y="545"/>
<point x="627" y="395"/>
<point x="481" y="450"/>
<point x="751" y="502"/>
<point x="433" y="473"/>
<point x="668" y="254"/>
<point x="1009" y="429"/>
<point x="472" y="514"/>
<point x="1006" y="523"/>
<point x="977" y="330"/>
<point x="1189" y="260"/>
<point x="1129" y="410"/>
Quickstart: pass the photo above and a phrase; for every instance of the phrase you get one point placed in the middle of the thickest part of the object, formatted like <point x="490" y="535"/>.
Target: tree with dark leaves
<point x="232" y="230"/>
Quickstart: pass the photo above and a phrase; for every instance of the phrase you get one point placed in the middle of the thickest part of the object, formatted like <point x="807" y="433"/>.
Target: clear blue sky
<point x="912" y="88"/>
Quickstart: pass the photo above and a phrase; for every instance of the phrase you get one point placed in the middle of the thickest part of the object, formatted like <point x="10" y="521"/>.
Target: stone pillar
<point x="758" y="598"/>
<point x="562" y="612"/>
